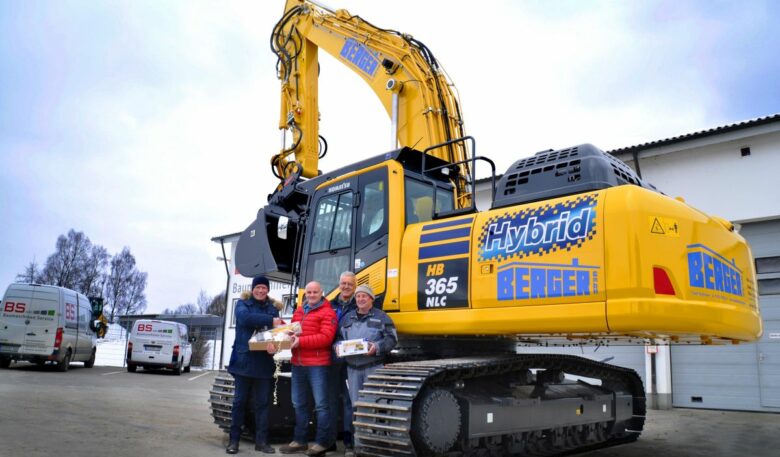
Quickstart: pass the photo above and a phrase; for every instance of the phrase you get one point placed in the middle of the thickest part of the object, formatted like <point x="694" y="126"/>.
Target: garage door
<point x="623" y="355"/>
<point x="746" y="376"/>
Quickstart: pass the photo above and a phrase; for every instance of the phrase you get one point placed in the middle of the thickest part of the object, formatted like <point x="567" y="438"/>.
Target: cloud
<point x="151" y="125"/>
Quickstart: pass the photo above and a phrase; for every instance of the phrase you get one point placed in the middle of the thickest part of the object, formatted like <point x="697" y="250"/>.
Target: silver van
<point x="41" y="324"/>
<point x="159" y="344"/>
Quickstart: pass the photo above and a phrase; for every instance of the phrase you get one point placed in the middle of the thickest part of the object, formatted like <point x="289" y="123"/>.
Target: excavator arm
<point x="403" y="73"/>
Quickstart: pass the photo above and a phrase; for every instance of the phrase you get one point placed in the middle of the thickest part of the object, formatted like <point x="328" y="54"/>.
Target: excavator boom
<point x="403" y="73"/>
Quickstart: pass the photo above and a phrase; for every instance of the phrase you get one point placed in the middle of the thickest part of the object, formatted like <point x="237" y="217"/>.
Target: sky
<point x="151" y="124"/>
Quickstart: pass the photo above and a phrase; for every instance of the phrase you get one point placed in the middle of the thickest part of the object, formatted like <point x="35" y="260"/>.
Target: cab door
<point x="349" y="232"/>
<point x="372" y="232"/>
<point x="329" y="250"/>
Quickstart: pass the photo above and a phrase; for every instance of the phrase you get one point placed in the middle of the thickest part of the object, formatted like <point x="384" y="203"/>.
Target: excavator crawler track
<point x="390" y="416"/>
<point x="281" y="414"/>
<point x="221" y="399"/>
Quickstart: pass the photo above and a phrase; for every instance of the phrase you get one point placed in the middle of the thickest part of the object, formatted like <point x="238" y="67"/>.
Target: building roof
<point x="702" y="133"/>
<point x="195" y="320"/>
<point x="679" y="139"/>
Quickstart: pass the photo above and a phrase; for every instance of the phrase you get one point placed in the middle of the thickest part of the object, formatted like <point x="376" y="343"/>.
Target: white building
<point x="236" y="284"/>
<point x="726" y="171"/>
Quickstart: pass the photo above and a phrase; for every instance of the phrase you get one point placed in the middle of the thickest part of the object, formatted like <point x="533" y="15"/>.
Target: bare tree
<point x="187" y="308"/>
<point x="92" y="271"/>
<point x="125" y="286"/>
<point x="136" y="296"/>
<point x="203" y="302"/>
<point x="200" y="349"/>
<point x="64" y="267"/>
<point x="202" y="305"/>
<point x="217" y="305"/>
<point x="30" y="274"/>
<point x="79" y="265"/>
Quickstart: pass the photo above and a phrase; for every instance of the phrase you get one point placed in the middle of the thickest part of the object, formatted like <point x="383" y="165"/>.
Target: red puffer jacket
<point x="318" y="327"/>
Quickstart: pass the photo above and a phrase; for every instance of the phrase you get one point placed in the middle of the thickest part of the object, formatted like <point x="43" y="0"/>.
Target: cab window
<point x="372" y="213"/>
<point x="419" y="201"/>
<point x="333" y="223"/>
<point x="326" y="270"/>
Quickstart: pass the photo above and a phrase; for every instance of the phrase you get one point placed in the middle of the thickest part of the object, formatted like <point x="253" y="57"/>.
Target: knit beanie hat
<point x="260" y="280"/>
<point x="366" y="290"/>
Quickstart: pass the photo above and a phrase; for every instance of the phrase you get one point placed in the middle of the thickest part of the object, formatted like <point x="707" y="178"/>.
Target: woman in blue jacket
<point x="253" y="371"/>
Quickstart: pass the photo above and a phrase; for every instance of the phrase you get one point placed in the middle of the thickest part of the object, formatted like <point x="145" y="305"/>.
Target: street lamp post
<point x="225" y="260"/>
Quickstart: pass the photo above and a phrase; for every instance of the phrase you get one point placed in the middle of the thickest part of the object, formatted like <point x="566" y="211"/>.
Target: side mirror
<point x="281" y="227"/>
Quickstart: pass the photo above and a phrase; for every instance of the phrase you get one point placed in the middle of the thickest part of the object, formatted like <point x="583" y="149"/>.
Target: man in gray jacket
<point x="374" y="326"/>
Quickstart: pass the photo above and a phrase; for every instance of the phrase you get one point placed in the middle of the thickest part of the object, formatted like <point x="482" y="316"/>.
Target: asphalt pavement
<point x="106" y="411"/>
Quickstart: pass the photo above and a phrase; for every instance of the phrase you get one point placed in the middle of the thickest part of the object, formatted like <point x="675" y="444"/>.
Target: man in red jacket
<point x="310" y="360"/>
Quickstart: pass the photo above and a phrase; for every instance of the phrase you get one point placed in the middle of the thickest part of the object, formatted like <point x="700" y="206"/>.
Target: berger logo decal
<point x="527" y="280"/>
<point x="360" y="56"/>
<point x="539" y="230"/>
<point x="712" y="273"/>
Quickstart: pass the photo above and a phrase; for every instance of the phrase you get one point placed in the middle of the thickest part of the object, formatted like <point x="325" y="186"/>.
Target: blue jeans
<point x="316" y="380"/>
<point x="262" y="389"/>
<point x="339" y="396"/>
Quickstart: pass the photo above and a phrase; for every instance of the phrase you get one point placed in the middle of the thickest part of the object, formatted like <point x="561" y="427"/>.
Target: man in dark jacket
<point x="253" y="371"/>
<point x="337" y="376"/>
<point x="310" y="362"/>
<point x="376" y="327"/>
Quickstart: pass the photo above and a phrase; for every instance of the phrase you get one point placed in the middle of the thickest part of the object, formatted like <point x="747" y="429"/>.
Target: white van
<point x="46" y="324"/>
<point x="159" y="344"/>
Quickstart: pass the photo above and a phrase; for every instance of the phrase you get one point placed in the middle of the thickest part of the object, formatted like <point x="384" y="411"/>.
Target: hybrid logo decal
<point x="711" y="271"/>
<point x="360" y="56"/>
<point x="527" y="280"/>
<point x="539" y="230"/>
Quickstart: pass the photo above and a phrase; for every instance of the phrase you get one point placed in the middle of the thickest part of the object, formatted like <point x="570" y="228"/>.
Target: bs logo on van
<point x="70" y="312"/>
<point x="11" y="307"/>
<point x="144" y="327"/>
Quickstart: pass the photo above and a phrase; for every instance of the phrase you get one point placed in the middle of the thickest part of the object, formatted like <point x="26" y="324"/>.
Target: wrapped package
<point x="295" y="328"/>
<point x="279" y="336"/>
<point x="347" y="348"/>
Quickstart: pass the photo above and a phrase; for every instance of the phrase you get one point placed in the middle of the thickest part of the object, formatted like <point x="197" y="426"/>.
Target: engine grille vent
<point x="550" y="174"/>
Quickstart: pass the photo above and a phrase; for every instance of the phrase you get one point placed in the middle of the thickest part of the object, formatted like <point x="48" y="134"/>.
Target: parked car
<point x="41" y="323"/>
<point x="159" y="344"/>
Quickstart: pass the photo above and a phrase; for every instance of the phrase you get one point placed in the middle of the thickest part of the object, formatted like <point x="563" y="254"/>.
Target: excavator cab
<point x="99" y="323"/>
<point x="352" y="219"/>
<point x="348" y="230"/>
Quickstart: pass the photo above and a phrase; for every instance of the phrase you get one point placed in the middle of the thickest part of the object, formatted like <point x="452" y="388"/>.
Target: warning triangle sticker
<point x="657" y="228"/>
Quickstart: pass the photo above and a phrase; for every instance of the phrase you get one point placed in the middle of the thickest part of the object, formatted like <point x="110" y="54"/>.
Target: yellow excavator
<point x="575" y="248"/>
<point x="99" y="322"/>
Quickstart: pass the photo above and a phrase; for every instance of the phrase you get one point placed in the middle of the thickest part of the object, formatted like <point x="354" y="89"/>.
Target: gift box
<point x="295" y="328"/>
<point x="262" y="345"/>
<point x="279" y="337"/>
<point x="347" y="348"/>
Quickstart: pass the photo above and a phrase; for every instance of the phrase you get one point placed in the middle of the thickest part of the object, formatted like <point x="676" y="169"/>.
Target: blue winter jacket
<point x="342" y="309"/>
<point x="252" y="315"/>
